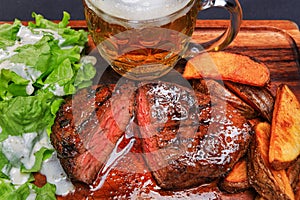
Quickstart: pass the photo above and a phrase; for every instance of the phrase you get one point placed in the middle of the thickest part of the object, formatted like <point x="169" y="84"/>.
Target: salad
<point x="39" y="65"/>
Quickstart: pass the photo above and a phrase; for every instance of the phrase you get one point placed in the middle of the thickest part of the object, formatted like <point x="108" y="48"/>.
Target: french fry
<point x="297" y="190"/>
<point x="293" y="173"/>
<point x="218" y="90"/>
<point x="285" y="132"/>
<point x="237" y="179"/>
<point x="227" y="66"/>
<point x="258" y="97"/>
<point x="269" y="183"/>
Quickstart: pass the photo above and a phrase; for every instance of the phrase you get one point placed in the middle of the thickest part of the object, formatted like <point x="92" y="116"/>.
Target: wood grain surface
<point x="274" y="42"/>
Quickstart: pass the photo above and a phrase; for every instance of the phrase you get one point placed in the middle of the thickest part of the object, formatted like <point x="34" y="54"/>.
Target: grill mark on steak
<point x="96" y="120"/>
<point x="191" y="154"/>
<point x="186" y="137"/>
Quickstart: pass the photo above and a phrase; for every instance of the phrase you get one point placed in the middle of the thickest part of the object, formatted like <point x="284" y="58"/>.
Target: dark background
<point x="52" y="9"/>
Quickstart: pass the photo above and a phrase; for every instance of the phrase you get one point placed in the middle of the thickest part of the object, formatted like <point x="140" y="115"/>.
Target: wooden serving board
<point x="274" y="42"/>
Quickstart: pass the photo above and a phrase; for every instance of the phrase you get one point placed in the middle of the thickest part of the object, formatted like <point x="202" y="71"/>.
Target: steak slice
<point x="88" y="127"/>
<point x="187" y="138"/>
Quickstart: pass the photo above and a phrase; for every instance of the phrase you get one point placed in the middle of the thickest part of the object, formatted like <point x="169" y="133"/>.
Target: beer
<point x="141" y="39"/>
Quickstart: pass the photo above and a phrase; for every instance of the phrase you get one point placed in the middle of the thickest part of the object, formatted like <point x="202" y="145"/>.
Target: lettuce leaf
<point x="40" y="156"/>
<point x="9" y="192"/>
<point x="51" y="58"/>
<point x="25" y="114"/>
<point x="72" y="37"/>
<point x="3" y="162"/>
<point x="8" y="34"/>
<point x="12" y="84"/>
<point x="34" y="75"/>
<point x="85" y="75"/>
<point x="30" y="54"/>
<point x="47" y="192"/>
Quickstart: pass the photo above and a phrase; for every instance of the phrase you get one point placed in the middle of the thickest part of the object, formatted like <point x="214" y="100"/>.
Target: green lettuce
<point x="45" y="192"/>
<point x="31" y="54"/>
<point x="56" y="62"/>
<point x="34" y="78"/>
<point x="72" y="37"/>
<point x="3" y="163"/>
<point x="40" y="156"/>
<point x="25" y="114"/>
<point x="8" y="34"/>
<point x="12" y="84"/>
<point x="9" y="192"/>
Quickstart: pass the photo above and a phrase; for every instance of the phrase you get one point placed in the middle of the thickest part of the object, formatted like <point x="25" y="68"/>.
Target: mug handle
<point x="219" y="43"/>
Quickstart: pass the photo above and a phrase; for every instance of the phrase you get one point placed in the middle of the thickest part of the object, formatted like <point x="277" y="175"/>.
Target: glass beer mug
<point x="143" y="39"/>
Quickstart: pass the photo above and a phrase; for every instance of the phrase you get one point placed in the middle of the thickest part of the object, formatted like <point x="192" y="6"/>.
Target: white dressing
<point x="55" y="174"/>
<point x="18" y="178"/>
<point x="88" y="59"/>
<point x="32" y="36"/>
<point x="21" y="69"/>
<point x="24" y="71"/>
<point x="29" y="89"/>
<point x="57" y="90"/>
<point x="31" y="196"/>
<point x="20" y="150"/>
<point x="53" y="33"/>
<point x="26" y="36"/>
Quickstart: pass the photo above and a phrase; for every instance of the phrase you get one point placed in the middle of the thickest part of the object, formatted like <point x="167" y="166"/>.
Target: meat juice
<point x="141" y="38"/>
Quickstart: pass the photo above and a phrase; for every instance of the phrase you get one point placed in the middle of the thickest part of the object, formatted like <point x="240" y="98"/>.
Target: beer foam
<point x="139" y="9"/>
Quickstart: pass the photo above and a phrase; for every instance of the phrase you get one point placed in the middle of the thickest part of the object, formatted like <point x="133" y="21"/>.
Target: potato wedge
<point x="258" y="197"/>
<point x="237" y="179"/>
<point x="218" y="90"/>
<point x="227" y="66"/>
<point x="285" y="133"/>
<point x="269" y="183"/>
<point x="257" y="97"/>
<point x="293" y="173"/>
<point x="297" y="190"/>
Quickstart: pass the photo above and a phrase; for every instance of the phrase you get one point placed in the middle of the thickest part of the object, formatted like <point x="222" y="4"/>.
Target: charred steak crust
<point x="88" y="126"/>
<point x="187" y="138"/>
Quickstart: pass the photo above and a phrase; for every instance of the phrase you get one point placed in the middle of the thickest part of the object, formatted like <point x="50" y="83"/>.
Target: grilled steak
<point x="88" y="127"/>
<point x="187" y="137"/>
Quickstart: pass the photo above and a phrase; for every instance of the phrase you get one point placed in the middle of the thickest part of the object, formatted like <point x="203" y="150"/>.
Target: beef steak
<point x="187" y="138"/>
<point x="88" y="127"/>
